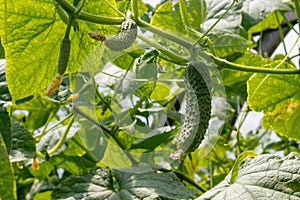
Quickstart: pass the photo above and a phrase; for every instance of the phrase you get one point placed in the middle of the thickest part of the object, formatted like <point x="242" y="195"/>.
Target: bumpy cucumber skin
<point x="125" y="37"/>
<point x="64" y="55"/>
<point x="198" y="108"/>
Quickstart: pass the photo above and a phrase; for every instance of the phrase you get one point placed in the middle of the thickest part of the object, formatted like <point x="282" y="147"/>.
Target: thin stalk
<point x="62" y="139"/>
<point x="108" y="133"/>
<point x="183" y="14"/>
<point x="281" y="33"/>
<point x="233" y="66"/>
<point x="297" y="5"/>
<point x="290" y="25"/>
<point x="182" y="176"/>
<point x="38" y="136"/>
<point x="164" y="34"/>
<point x="114" y="8"/>
<point x="219" y="19"/>
<point x="135" y="8"/>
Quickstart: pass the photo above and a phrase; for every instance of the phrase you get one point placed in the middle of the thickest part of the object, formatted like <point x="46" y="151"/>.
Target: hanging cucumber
<point x="198" y="109"/>
<point x="64" y="52"/>
<point x="124" y="38"/>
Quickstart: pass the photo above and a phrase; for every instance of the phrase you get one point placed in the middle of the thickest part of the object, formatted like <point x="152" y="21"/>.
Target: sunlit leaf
<point x="278" y="97"/>
<point x="31" y="33"/>
<point x="227" y="43"/>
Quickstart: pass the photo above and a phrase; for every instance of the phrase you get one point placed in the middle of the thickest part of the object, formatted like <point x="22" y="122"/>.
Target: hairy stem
<point x="162" y="49"/>
<point x="233" y="66"/>
<point x="63" y="138"/>
<point x="135" y="8"/>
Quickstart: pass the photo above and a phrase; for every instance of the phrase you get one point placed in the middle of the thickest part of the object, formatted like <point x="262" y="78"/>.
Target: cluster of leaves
<point x="96" y="148"/>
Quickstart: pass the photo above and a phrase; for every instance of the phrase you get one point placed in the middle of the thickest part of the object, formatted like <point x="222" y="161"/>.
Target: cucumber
<point x="198" y="109"/>
<point x="125" y="37"/>
<point x="64" y="55"/>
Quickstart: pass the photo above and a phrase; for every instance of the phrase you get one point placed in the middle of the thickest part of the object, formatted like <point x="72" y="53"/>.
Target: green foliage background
<point x="93" y="153"/>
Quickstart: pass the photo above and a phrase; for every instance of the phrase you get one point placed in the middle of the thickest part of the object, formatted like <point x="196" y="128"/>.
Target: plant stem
<point x="162" y="49"/>
<point x="62" y="139"/>
<point x="219" y="19"/>
<point x="297" y="11"/>
<point x="38" y="136"/>
<point x="135" y="8"/>
<point x="162" y="33"/>
<point x="233" y="66"/>
<point x="108" y="133"/>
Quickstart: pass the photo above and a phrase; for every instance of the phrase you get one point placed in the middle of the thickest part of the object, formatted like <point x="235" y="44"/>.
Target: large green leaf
<point x="262" y="177"/>
<point x="273" y="21"/>
<point x="7" y="184"/>
<point x="215" y="9"/>
<point x="227" y="43"/>
<point x="279" y="98"/>
<point x="256" y="10"/>
<point x="103" y="183"/>
<point x="23" y="143"/>
<point x="168" y="16"/>
<point x="31" y="37"/>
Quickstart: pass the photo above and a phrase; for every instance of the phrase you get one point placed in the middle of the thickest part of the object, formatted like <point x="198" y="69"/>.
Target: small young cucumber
<point x="198" y="109"/>
<point x="125" y="37"/>
<point x="64" y="55"/>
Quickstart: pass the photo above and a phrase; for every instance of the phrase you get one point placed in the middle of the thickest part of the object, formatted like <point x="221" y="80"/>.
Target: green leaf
<point x="147" y="66"/>
<point x="5" y="129"/>
<point x="235" y="81"/>
<point x="270" y="21"/>
<point x="123" y="5"/>
<point x="215" y="9"/>
<point x="7" y="182"/>
<point x="278" y="97"/>
<point x="23" y="143"/>
<point x="227" y="43"/>
<point x="261" y="177"/>
<point x="167" y="15"/>
<point x="238" y="162"/>
<point x="102" y="183"/>
<point x="72" y="164"/>
<point x="154" y="139"/>
<point x="126" y="61"/>
<point x="255" y="11"/>
<point x="39" y="110"/>
<point x="44" y="170"/>
<point x="31" y="32"/>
